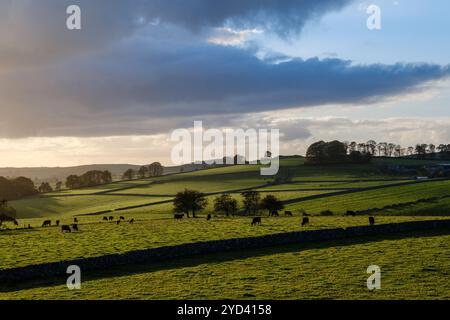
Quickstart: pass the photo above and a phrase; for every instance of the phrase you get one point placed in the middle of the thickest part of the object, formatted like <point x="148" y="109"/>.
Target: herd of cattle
<point x="74" y="225"/>
<point x="180" y="216"/>
<point x="258" y="220"/>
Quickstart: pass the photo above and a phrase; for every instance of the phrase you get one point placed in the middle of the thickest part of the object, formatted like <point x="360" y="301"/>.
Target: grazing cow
<point x="131" y="221"/>
<point x="57" y="223"/>
<point x="118" y="222"/>
<point x="65" y="228"/>
<point x="256" y="220"/>
<point x="305" y="221"/>
<point x="208" y="217"/>
<point x="75" y="227"/>
<point x="47" y="223"/>
<point x="122" y="218"/>
<point x="288" y="214"/>
<point x="16" y="223"/>
<point x="350" y="213"/>
<point x="75" y="220"/>
<point x="371" y="221"/>
<point x="105" y="218"/>
<point x="275" y="214"/>
<point x="178" y="216"/>
<point x="111" y="218"/>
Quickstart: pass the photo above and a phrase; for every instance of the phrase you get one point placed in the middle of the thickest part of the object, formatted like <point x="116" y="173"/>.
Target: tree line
<point x="192" y="201"/>
<point x="13" y="189"/>
<point x="88" y="179"/>
<point x="153" y="170"/>
<point x="336" y="152"/>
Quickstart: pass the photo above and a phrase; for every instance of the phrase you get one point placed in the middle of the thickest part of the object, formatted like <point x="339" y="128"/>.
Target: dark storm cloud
<point x="119" y="76"/>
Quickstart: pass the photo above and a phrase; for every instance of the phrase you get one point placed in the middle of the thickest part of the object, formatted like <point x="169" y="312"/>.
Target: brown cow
<point x="288" y="214"/>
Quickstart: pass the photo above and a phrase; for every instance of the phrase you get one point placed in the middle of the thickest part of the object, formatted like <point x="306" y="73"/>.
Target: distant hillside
<point x="52" y="174"/>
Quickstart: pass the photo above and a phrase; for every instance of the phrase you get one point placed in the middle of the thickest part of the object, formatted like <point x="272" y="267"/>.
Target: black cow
<point x="178" y="216"/>
<point x="275" y="214"/>
<point x="75" y="220"/>
<point x="256" y="220"/>
<point x="208" y="217"/>
<point x="57" y="223"/>
<point x="305" y="221"/>
<point x="131" y="221"/>
<point x="118" y="222"/>
<point x="350" y="213"/>
<point x="111" y="218"/>
<point x="16" y="223"/>
<point x="288" y="214"/>
<point x="65" y="228"/>
<point x="47" y="223"/>
<point x="105" y="218"/>
<point x="371" y="221"/>
<point x="122" y="218"/>
<point x="75" y="227"/>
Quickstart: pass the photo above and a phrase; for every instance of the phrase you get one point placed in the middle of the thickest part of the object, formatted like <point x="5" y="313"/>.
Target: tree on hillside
<point x="45" y="187"/>
<point x="129" y="174"/>
<point x="326" y="152"/>
<point x="225" y="204"/>
<point x="271" y="203"/>
<point x="7" y="213"/>
<point x="189" y="201"/>
<point x="251" y="202"/>
<point x="156" y="169"/>
<point x="315" y="153"/>
<point x="142" y="172"/>
<point x="58" y="186"/>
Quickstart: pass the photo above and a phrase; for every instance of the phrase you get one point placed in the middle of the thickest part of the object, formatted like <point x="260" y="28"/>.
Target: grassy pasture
<point x="96" y="238"/>
<point x="412" y="268"/>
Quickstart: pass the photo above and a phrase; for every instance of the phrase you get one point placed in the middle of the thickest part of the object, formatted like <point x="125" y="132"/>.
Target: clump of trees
<point x="189" y="201"/>
<point x="7" y="213"/>
<point x="387" y="149"/>
<point x="153" y="170"/>
<point x="45" y="187"/>
<point x="13" y="189"/>
<point x="88" y="179"/>
<point x="271" y="203"/>
<point x="225" y="204"/>
<point x="334" y="152"/>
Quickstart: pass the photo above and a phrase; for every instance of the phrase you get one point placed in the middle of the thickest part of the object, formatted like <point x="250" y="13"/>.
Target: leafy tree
<point x="129" y="174"/>
<point x="251" y="201"/>
<point x="58" y="186"/>
<point x="155" y="169"/>
<point x="142" y="172"/>
<point x="189" y="201"/>
<point x="225" y="204"/>
<point x="271" y="203"/>
<point x="45" y="187"/>
<point x="7" y="213"/>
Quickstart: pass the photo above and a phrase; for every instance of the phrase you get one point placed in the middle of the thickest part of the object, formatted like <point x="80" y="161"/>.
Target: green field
<point x="411" y="268"/>
<point x="358" y="188"/>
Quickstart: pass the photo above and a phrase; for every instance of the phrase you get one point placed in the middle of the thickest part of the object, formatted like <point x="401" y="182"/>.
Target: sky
<point x="114" y="91"/>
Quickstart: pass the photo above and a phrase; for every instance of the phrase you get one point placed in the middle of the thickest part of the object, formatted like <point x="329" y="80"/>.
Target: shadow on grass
<point x="216" y="258"/>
